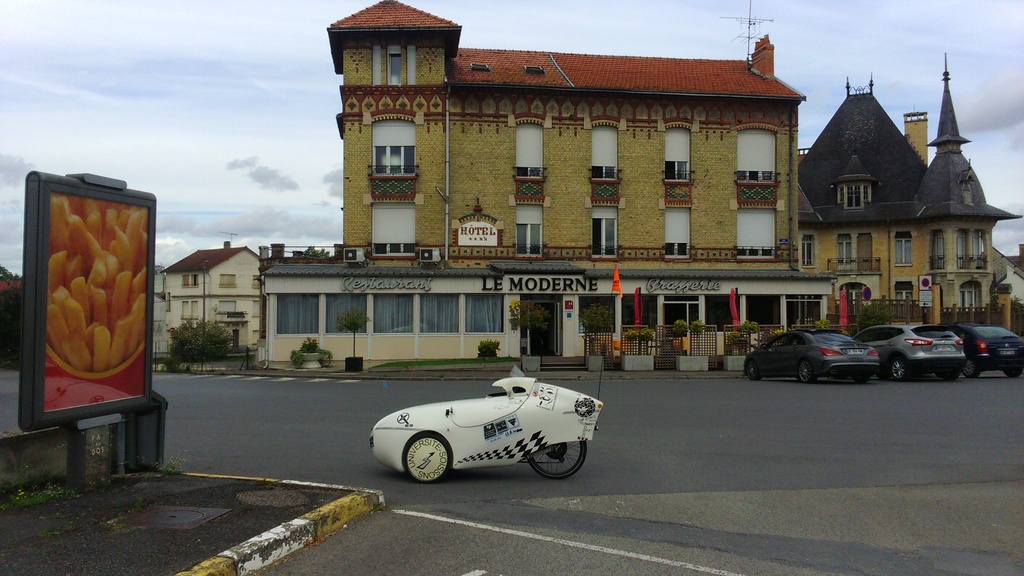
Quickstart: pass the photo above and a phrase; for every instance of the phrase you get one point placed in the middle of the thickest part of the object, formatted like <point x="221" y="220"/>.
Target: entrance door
<point x="548" y="342"/>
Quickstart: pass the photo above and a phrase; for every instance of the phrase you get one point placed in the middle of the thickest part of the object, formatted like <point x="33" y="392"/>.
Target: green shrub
<point x="488" y="348"/>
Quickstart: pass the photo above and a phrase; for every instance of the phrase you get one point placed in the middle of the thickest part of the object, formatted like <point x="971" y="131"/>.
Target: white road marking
<point x="570" y="543"/>
<point x="476" y="573"/>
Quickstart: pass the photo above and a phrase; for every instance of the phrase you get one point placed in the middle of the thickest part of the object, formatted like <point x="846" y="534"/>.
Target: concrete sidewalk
<point x="191" y="525"/>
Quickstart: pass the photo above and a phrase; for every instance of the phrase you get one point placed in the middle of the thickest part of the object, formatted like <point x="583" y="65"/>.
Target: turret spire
<point x="948" y="137"/>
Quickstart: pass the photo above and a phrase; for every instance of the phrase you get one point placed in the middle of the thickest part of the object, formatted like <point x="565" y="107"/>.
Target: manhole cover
<point x="182" y="517"/>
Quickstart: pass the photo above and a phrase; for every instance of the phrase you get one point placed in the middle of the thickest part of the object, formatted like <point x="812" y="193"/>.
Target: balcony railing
<point x="970" y="262"/>
<point x="763" y="176"/>
<point x="677" y="171"/>
<point x="394" y="249"/>
<point x="677" y="249"/>
<point x="528" y="249"/>
<point x="755" y="251"/>
<point x="605" y="173"/>
<point x="853" y="265"/>
<point x="390" y="170"/>
<point x="937" y="262"/>
<point x="601" y="251"/>
<point x="529" y="172"/>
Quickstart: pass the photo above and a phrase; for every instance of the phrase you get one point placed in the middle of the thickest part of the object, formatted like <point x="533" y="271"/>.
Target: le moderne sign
<point x="521" y="284"/>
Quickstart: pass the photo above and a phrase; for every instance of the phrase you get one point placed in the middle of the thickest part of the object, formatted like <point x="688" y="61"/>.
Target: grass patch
<point x="451" y="362"/>
<point x="32" y="492"/>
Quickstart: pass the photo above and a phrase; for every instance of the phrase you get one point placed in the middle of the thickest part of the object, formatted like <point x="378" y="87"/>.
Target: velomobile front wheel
<point x="559" y="460"/>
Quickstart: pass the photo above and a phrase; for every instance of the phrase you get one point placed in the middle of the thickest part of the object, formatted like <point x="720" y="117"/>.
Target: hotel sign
<point x="477" y="234"/>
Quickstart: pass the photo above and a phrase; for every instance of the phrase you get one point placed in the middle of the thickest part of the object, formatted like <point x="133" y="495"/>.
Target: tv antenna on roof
<point x="753" y="25"/>
<point x="231" y="236"/>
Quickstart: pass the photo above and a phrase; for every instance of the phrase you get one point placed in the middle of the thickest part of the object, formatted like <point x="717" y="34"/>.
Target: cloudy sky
<point x="225" y="110"/>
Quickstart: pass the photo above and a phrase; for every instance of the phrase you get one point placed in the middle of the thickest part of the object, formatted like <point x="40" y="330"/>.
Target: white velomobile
<point x="545" y="425"/>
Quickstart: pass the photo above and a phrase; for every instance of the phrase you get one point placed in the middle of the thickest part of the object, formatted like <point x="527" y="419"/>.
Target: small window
<point x="534" y="70"/>
<point x="477" y="67"/>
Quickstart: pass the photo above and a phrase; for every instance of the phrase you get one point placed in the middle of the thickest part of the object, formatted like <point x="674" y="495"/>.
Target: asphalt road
<point x="682" y="477"/>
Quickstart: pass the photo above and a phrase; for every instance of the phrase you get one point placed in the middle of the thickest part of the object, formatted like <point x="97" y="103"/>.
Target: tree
<point x="197" y="341"/>
<point x="873" y="314"/>
<point x="595" y="319"/>
<point x="10" y="324"/>
<point x="528" y="315"/>
<point x="352" y="320"/>
<point x="7" y="275"/>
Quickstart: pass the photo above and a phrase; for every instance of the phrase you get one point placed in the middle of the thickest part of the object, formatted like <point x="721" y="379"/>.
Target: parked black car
<point x="990" y="347"/>
<point x="808" y="354"/>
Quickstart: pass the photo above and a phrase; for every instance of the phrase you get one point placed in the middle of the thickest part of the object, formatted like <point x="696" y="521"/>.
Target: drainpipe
<point x="794" y="211"/>
<point x="447" y="172"/>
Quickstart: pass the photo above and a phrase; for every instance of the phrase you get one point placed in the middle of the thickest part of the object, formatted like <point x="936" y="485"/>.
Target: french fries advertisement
<point x="93" y="296"/>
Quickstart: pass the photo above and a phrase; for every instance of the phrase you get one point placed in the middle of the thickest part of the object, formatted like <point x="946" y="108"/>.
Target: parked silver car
<point x="914" y="350"/>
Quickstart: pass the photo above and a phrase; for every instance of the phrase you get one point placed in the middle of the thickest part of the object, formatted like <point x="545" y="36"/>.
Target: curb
<point x="263" y="550"/>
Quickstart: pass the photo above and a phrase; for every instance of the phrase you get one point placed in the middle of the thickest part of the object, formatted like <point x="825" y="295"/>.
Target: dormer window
<point x="854" y="196"/>
<point x="534" y="70"/>
<point x="965" y="186"/>
<point x="477" y="67"/>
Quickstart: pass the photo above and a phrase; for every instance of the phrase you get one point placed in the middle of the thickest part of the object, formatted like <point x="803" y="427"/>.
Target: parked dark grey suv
<point x="914" y="350"/>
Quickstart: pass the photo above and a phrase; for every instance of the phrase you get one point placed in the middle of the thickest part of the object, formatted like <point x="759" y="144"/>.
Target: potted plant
<point x="487" y="349"/>
<point x="596" y="319"/>
<point x="528" y="315"/>
<point x="307" y="355"/>
<point x="681" y="330"/>
<point x="636" y="354"/>
<point x="353" y="320"/>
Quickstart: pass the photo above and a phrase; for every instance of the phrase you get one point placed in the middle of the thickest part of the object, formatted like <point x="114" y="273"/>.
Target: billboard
<point x="86" y="340"/>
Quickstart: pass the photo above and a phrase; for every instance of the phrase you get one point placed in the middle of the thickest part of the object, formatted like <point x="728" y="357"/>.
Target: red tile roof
<point x="194" y="261"/>
<point x="630" y="73"/>
<point x="393" y="14"/>
<point x="579" y="71"/>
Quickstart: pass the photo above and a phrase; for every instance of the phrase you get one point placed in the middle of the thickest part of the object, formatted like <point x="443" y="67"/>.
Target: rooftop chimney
<point x="915" y="127"/>
<point x="762" y="61"/>
<point x="227" y="243"/>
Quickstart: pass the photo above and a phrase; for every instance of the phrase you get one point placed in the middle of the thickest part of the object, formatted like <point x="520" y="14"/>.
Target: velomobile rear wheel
<point x="559" y="460"/>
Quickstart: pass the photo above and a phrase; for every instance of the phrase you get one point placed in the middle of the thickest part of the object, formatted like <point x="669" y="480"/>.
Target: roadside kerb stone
<point x="278" y="542"/>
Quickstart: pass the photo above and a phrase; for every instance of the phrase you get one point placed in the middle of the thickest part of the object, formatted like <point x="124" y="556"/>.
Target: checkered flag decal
<point x="516" y="451"/>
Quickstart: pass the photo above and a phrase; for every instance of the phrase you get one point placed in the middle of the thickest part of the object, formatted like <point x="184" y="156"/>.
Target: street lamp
<point x="202" y="348"/>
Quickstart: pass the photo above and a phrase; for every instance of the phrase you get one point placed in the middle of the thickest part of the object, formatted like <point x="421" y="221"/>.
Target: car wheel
<point x="559" y="460"/>
<point x="898" y="369"/>
<point x="970" y="369"/>
<point x="752" y="370"/>
<point x="1012" y="372"/>
<point x="949" y="375"/>
<point x="805" y="372"/>
<point x="427" y="457"/>
<point x="861" y="378"/>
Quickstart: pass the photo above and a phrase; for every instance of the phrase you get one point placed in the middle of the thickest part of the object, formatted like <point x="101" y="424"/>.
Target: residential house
<point x="219" y="285"/>
<point x="888" y="224"/>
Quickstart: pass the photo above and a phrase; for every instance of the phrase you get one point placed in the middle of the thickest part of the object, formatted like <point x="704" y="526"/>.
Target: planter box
<point x="354" y="364"/>
<point x="634" y="362"/>
<point x="595" y="363"/>
<point x="311" y="360"/>
<point x="531" y="363"/>
<point x="734" y="363"/>
<point x="692" y="363"/>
